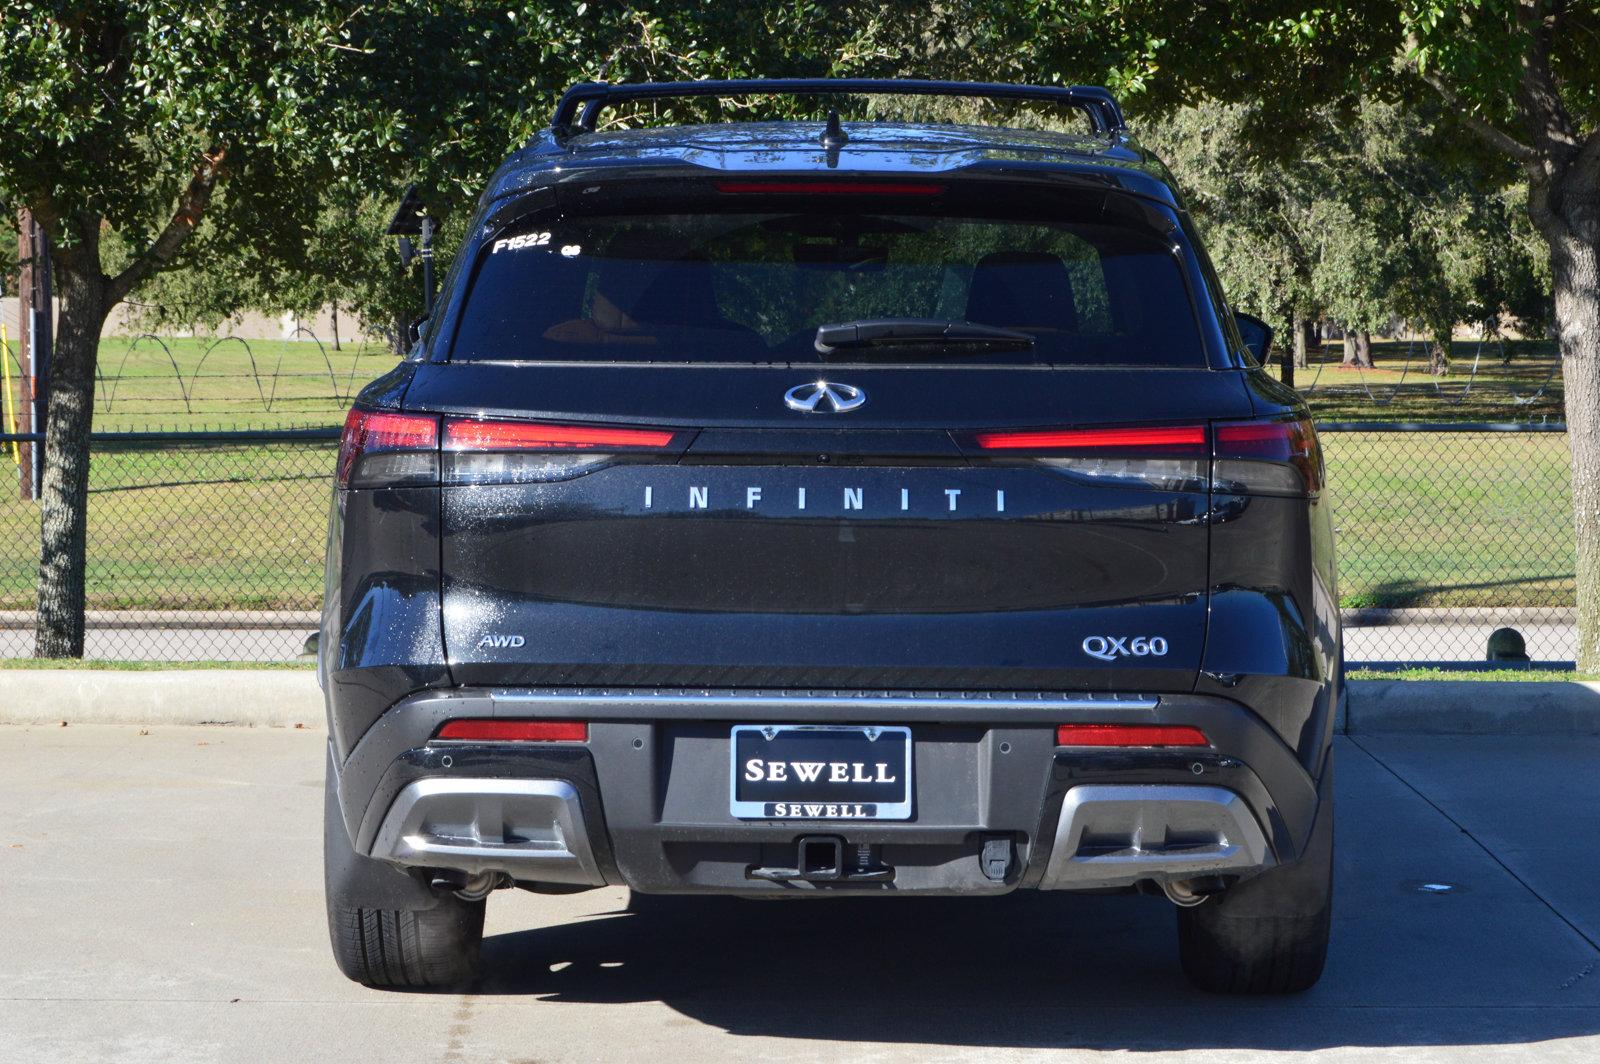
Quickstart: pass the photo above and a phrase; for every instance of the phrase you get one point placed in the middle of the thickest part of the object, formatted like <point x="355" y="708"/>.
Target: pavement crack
<point x="1479" y="843"/>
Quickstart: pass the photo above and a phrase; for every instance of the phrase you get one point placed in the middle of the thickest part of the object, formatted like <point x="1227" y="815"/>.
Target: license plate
<point x="820" y="772"/>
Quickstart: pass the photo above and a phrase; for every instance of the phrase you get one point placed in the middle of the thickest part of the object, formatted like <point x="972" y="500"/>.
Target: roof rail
<point x="581" y="105"/>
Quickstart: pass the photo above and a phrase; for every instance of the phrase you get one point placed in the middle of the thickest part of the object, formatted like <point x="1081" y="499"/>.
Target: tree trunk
<point x="1358" y="349"/>
<point x="58" y="629"/>
<point x="1293" y="358"/>
<point x="1439" y="353"/>
<point x="399" y="339"/>
<point x="1575" y="264"/>
<point x="1304" y="332"/>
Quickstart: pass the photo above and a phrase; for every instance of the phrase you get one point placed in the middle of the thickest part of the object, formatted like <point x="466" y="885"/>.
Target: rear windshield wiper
<point x="926" y="335"/>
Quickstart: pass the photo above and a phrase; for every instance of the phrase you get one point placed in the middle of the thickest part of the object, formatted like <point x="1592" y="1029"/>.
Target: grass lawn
<point x="1452" y="519"/>
<point x="1521" y="389"/>
<point x="235" y="527"/>
<point x="1488" y="675"/>
<point x="203" y="382"/>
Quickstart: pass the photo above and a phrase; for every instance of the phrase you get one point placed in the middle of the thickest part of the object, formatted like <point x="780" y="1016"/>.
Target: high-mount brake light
<point x="384" y="448"/>
<point x="1130" y="735"/>
<point x="1267" y="458"/>
<point x="830" y="188"/>
<point x="531" y="452"/>
<point x="1165" y="439"/>
<point x="516" y="731"/>
<point x="471" y="435"/>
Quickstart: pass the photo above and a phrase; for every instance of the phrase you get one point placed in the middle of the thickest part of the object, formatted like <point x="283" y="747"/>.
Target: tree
<point x="1251" y="213"/>
<point x="126" y="117"/>
<point x="136" y="122"/>
<point x="1363" y="224"/>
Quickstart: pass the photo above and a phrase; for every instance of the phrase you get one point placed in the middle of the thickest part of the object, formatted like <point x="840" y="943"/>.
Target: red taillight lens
<point x="831" y="188"/>
<point x="1163" y="439"/>
<point x="374" y="432"/>
<point x="1167" y="457"/>
<point x="1268" y="458"/>
<point x="463" y="435"/>
<point x="517" y="731"/>
<point x="1130" y="735"/>
<point x="532" y="452"/>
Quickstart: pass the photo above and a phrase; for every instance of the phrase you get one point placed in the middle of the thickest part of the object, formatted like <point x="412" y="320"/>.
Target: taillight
<point x="1161" y="439"/>
<point x="1267" y="458"/>
<point x="1171" y="457"/>
<point x="381" y="448"/>
<point x="534" y="436"/>
<point x="516" y="731"/>
<point x="522" y="452"/>
<point x="1130" y="735"/>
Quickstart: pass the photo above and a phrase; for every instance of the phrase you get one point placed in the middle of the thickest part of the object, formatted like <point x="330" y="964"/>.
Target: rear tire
<point x="388" y="927"/>
<point x="1268" y="935"/>
<point x="430" y="948"/>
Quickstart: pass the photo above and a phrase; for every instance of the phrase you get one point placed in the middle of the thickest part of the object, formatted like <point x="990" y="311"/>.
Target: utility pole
<point x="36" y="324"/>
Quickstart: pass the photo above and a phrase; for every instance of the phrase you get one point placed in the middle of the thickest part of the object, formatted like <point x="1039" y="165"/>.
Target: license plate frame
<point x="810" y="803"/>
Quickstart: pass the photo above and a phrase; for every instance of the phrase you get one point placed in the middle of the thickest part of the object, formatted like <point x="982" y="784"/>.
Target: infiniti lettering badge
<point x="821" y="395"/>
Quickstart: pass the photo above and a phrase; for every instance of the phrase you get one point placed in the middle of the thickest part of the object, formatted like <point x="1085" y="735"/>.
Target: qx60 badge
<point x="821" y="396"/>
<point x="1112" y="647"/>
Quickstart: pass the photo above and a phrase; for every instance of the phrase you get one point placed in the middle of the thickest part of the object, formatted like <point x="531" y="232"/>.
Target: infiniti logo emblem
<point x="821" y="395"/>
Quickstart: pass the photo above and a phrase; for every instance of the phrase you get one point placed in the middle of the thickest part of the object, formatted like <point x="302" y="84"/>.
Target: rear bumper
<point x="997" y="806"/>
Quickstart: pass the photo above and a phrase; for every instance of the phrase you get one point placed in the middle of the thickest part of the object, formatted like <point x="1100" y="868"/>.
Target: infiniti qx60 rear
<point x="815" y="508"/>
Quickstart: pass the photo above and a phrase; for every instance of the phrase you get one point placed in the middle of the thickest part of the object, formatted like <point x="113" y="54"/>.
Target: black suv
<point x="800" y="509"/>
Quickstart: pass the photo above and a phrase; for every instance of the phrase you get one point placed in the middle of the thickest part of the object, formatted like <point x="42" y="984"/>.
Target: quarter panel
<point x="381" y="637"/>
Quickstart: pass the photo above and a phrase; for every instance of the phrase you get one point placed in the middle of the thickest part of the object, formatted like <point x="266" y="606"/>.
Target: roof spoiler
<point x="581" y="105"/>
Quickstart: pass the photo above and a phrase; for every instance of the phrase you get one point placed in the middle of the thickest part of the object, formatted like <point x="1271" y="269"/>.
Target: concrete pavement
<point x="162" y="903"/>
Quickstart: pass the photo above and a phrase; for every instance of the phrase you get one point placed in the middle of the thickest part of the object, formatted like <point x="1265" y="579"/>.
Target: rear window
<point x="754" y="287"/>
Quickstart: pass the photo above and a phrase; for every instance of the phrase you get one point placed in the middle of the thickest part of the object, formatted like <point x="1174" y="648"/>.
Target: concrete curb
<point x="1473" y="707"/>
<point x="284" y="699"/>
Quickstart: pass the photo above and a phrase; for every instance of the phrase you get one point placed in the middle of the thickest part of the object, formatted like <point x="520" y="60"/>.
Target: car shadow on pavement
<point x="1026" y="970"/>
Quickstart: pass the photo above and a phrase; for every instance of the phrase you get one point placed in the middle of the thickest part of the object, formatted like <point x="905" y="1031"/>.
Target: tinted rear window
<point x="754" y="287"/>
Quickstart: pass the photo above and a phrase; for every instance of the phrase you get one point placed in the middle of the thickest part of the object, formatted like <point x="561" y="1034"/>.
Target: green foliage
<point x="111" y="106"/>
<point x="1368" y="222"/>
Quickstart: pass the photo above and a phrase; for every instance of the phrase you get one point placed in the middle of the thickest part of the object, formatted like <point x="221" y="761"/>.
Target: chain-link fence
<point x="209" y="545"/>
<point x="202" y="546"/>
<point x="1449" y="531"/>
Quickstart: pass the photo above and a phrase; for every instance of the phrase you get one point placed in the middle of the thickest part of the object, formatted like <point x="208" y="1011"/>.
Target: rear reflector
<point x="830" y="188"/>
<point x="372" y="432"/>
<point x="517" y="731"/>
<point x="462" y="435"/>
<point x="1165" y="439"/>
<point x="1130" y="735"/>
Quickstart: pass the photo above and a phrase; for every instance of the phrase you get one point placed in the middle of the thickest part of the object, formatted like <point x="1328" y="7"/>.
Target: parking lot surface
<point x="162" y="902"/>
